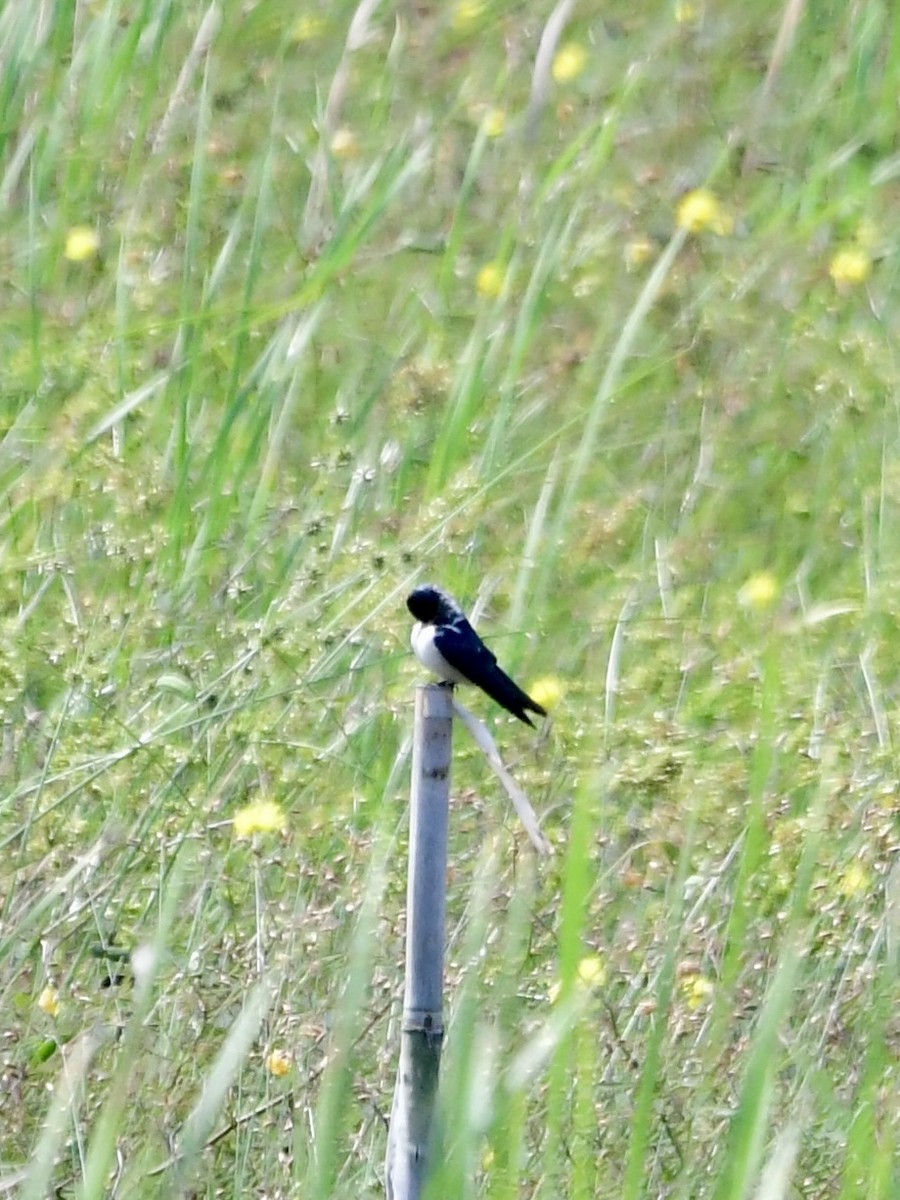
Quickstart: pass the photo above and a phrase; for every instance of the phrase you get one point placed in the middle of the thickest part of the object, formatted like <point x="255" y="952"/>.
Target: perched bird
<point x="444" y="642"/>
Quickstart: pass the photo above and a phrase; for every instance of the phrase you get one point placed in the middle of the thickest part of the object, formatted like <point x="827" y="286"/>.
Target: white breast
<point x="429" y="656"/>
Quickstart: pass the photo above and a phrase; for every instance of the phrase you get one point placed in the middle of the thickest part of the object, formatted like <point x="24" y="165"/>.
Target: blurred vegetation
<point x="587" y="314"/>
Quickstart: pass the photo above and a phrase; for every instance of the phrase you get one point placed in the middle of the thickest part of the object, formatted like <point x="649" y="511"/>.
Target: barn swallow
<point x="444" y="642"/>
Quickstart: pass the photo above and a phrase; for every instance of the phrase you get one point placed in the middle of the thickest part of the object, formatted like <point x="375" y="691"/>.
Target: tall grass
<point x="370" y="300"/>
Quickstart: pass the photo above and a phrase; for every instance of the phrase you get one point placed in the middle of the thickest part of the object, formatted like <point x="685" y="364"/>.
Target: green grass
<point x="231" y="440"/>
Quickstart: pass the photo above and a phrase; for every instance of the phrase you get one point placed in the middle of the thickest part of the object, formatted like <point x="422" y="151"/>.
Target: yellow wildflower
<point x="467" y="13"/>
<point x="491" y="120"/>
<point x="494" y="122"/>
<point x="263" y="817"/>
<point x="569" y="62"/>
<point x="279" y="1063"/>
<point x="850" y="266"/>
<point x="700" y="210"/>
<point x="591" y="971"/>
<point x="760" y="591"/>
<point x="490" y="280"/>
<point x="547" y="691"/>
<point x="48" y="1001"/>
<point x="697" y="990"/>
<point x="686" y="12"/>
<point x="308" y="27"/>
<point x="591" y="974"/>
<point x="82" y="243"/>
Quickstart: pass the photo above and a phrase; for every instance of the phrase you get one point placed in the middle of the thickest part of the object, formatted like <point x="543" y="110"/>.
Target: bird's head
<point x="431" y="606"/>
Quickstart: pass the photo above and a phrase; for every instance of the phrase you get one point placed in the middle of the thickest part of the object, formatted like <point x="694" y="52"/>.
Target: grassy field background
<point x="588" y="314"/>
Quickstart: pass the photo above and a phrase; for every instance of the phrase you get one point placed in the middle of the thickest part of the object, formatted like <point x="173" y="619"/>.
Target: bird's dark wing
<point x="466" y="652"/>
<point x="464" y="649"/>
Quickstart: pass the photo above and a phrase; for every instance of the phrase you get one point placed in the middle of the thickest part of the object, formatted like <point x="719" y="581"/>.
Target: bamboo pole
<point x="412" y="1136"/>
